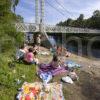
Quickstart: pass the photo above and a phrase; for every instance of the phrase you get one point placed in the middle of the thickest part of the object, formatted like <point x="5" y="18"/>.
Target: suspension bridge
<point x="40" y="27"/>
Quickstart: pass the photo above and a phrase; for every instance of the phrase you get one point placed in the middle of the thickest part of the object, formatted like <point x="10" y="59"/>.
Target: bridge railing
<point x="61" y="29"/>
<point x="32" y="27"/>
<point x="27" y="27"/>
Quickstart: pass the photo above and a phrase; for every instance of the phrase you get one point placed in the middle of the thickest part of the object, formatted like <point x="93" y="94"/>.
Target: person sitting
<point x="55" y="62"/>
<point x="26" y="48"/>
<point x="29" y="57"/>
<point x="67" y="54"/>
<point x="35" y="48"/>
<point x="59" y="50"/>
<point x="20" y="53"/>
<point x="53" y="49"/>
<point x="35" y="58"/>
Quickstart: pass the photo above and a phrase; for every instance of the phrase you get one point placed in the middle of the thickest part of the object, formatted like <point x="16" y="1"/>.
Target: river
<point x="72" y="46"/>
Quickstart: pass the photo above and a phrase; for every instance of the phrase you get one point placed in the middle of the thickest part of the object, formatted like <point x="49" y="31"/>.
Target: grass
<point x="10" y="75"/>
<point x="85" y="87"/>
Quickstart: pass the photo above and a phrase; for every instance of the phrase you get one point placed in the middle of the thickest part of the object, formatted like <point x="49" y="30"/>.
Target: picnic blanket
<point x="54" y="71"/>
<point x="37" y="91"/>
<point x="46" y="77"/>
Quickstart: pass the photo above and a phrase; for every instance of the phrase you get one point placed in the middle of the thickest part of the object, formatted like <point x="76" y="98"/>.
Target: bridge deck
<point x="31" y="27"/>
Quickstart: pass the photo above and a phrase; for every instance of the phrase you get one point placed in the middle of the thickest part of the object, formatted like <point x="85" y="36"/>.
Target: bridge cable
<point x="56" y="9"/>
<point x="70" y="13"/>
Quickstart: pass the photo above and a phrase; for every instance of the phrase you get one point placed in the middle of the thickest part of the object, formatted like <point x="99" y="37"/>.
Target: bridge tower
<point x="37" y="11"/>
<point x="42" y="11"/>
<point x="39" y="14"/>
<point x="42" y="2"/>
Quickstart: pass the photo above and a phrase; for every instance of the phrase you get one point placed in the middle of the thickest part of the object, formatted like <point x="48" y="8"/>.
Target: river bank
<point x="86" y="63"/>
<point x="88" y="86"/>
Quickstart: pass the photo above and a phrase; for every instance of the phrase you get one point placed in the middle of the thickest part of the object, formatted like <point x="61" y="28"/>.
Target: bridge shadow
<point x="90" y="86"/>
<point x="78" y="44"/>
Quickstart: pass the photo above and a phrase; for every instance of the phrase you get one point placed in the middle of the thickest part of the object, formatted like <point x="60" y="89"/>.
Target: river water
<point x="72" y="46"/>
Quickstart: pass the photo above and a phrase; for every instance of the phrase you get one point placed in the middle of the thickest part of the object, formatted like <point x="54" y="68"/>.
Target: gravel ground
<point x="88" y="86"/>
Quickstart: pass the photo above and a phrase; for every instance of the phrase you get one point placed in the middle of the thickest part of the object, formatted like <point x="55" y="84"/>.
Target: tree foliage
<point x="92" y="22"/>
<point x="9" y="37"/>
<point x="14" y="4"/>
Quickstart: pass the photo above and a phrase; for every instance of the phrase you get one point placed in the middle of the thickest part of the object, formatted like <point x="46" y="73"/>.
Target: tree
<point x="60" y="24"/>
<point x="9" y="37"/>
<point x="92" y="22"/>
<point x="19" y="18"/>
<point x="80" y="21"/>
<point x="81" y="17"/>
<point x="14" y="4"/>
<point x="96" y="13"/>
<point x="69" y="21"/>
<point x="95" y="19"/>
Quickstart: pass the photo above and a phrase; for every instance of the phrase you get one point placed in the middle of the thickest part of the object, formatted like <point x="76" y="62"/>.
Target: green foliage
<point x="9" y="76"/>
<point x="92" y="22"/>
<point x="9" y="37"/>
<point x="14" y="4"/>
<point x="19" y="19"/>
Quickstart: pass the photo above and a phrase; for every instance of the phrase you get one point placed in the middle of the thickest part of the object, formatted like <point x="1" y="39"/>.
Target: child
<point x="55" y="62"/>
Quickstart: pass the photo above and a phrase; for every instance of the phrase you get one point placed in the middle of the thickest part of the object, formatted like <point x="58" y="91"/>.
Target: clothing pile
<point x="72" y="64"/>
<point x="70" y="78"/>
<point x="39" y="91"/>
<point x="46" y="77"/>
<point x="44" y="53"/>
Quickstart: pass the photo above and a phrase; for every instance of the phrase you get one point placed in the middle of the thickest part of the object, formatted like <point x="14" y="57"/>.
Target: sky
<point x="64" y="9"/>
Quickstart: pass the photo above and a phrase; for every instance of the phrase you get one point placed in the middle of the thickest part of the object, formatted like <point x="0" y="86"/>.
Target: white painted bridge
<point x="40" y="26"/>
<point x="32" y="27"/>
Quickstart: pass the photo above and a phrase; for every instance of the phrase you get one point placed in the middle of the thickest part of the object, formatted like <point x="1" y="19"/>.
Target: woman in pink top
<point x="29" y="57"/>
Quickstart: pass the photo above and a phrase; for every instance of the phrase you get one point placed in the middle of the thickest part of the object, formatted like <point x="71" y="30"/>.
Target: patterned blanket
<point x="47" y="68"/>
<point x="38" y="91"/>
